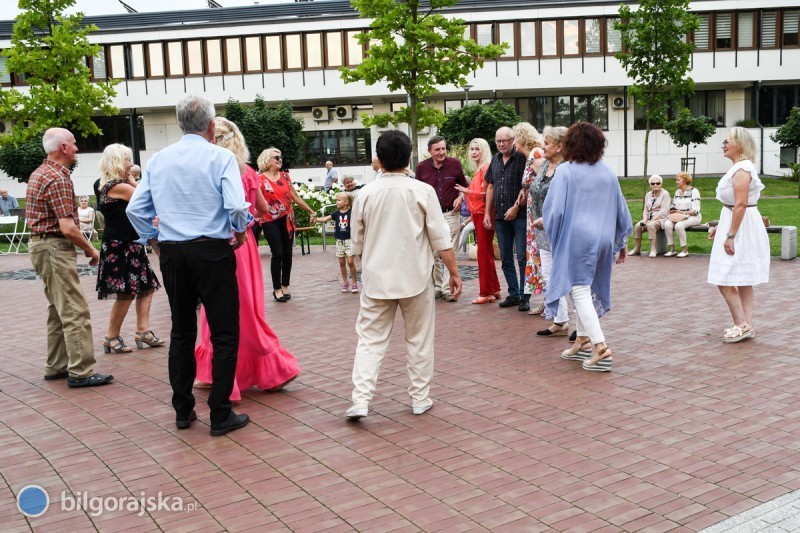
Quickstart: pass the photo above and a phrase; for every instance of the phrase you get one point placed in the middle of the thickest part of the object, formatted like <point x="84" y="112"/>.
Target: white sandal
<point x="737" y="333"/>
<point x="538" y="310"/>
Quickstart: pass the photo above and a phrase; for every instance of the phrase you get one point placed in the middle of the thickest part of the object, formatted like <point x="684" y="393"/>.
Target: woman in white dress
<point x="740" y="254"/>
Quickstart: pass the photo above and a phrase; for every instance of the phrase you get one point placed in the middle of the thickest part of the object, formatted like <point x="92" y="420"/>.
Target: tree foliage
<point x="686" y="129"/>
<point x="264" y="127"/>
<point x="19" y="161"/>
<point x="657" y="56"/>
<point x="462" y="125"/>
<point x="416" y="49"/>
<point x="50" y="48"/>
<point x="789" y="134"/>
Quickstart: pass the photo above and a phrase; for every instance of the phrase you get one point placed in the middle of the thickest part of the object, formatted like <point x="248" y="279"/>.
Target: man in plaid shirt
<point x="51" y="214"/>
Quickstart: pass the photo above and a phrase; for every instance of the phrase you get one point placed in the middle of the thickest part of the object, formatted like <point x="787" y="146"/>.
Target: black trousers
<point x="280" y="245"/>
<point x="205" y="270"/>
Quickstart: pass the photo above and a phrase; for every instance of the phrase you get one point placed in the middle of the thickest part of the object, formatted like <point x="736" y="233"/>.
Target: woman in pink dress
<point x="262" y="361"/>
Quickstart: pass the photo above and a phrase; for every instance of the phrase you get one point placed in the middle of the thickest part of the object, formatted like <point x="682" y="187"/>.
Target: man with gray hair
<point x="7" y="202"/>
<point x="51" y="214"/>
<point x="331" y="177"/>
<point x="196" y="189"/>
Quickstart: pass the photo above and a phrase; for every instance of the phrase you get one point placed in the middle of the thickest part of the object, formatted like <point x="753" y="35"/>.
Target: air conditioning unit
<point x="618" y="101"/>
<point x="320" y="114"/>
<point x="344" y="112"/>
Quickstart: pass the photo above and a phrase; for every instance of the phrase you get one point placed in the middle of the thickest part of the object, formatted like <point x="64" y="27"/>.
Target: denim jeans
<point x="511" y="236"/>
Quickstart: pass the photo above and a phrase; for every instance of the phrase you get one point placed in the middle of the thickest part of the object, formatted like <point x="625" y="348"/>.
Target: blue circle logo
<point x="33" y="501"/>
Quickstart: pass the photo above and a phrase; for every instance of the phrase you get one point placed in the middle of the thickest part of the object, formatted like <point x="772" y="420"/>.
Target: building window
<point x="483" y="34"/>
<point x="116" y="58"/>
<point x="213" y="50"/>
<point x="788" y="155"/>
<point x="706" y="103"/>
<point x="790" y="27"/>
<point x="233" y="55"/>
<point x="549" y="38"/>
<point x="175" y="58"/>
<point x="252" y="54"/>
<point x="723" y="31"/>
<point x="138" y="68"/>
<point x="333" y="49"/>
<point x="571" y="38"/>
<point x="505" y="32"/>
<point x="342" y="147"/>
<point x="593" y="36"/>
<point x="98" y="66"/>
<point x="745" y="30"/>
<point x="5" y="75"/>
<point x="194" y="58"/>
<point x="293" y="51"/>
<point x="155" y="60"/>
<point x="355" y="50"/>
<point x="273" y="53"/>
<point x="543" y="111"/>
<point x="613" y="37"/>
<point x="313" y="50"/>
<point x="769" y="25"/>
<point x="450" y="105"/>
<point x="527" y="39"/>
<point x="115" y="129"/>
<point x="701" y="37"/>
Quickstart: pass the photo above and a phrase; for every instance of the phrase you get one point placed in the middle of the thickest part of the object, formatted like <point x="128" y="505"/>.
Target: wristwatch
<point x="730" y="236"/>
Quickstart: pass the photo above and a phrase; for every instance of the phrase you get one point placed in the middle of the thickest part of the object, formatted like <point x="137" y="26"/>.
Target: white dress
<point x="749" y="265"/>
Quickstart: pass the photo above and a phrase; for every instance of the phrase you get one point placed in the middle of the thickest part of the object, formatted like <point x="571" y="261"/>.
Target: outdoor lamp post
<point x="466" y="88"/>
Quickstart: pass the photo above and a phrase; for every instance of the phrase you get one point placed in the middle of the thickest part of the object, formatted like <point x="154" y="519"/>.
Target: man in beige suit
<point x="396" y="226"/>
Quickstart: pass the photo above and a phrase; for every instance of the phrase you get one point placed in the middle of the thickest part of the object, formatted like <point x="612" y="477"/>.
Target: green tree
<point x="657" y="56"/>
<point x="788" y="136"/>
<point x="416" y="49"/>
<point x="686" y="129"/>
<point x="49" y="48"/>
<point x="462" y="125"/>
<point x="263" y="127"/>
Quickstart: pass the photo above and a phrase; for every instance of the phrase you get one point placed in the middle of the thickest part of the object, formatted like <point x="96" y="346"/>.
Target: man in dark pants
<point x="504" y="179"/>
<point x="193" y="240"/>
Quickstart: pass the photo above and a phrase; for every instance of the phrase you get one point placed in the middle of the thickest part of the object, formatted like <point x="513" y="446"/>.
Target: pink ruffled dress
<point x="262" y="361"/>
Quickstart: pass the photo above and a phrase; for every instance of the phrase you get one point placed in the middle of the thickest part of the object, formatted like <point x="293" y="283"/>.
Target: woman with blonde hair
<point x="262" y="361"/>
<point x="684" y="213"/>
<point x="528" y="142"/>
<point x="124" y="269"/>
<point x="278" y="221"/>
<point x="740" y="253"/>
<point x="475" y="195"/>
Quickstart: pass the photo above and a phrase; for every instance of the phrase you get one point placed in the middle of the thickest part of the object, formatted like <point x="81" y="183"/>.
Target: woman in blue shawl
<point x="587" y="221"/>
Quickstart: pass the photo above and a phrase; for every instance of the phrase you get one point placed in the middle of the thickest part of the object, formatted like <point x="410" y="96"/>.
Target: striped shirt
<point x="50" y="197"/>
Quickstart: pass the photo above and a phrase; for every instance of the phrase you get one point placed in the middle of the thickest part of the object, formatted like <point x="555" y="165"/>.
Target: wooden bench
<point x="303" y="239"/>
<point x="788" y="238"/>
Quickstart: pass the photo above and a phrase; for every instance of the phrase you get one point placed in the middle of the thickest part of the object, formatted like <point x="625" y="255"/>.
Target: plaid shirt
<point x="507" y="181"/>
<point x="50" y="197"/>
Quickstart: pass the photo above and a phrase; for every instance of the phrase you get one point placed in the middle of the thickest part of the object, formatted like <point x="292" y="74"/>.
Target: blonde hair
<point x="346" y="196"/>
<point x="228" y="136"/>
<point x="83" y="198"/>
<point x="264" y="158"/>
<point x="527" y="135"/>
<point x="112" y="164"/>
<point x="684" y="177"/>
<point x="744" y="142"/>
<point x="486" y="152"/>
<point x="554" y="133"/>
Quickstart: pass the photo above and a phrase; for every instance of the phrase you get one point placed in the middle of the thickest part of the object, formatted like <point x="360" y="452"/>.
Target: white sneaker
<point x="670" y="253"/>
<point x="421" y="409"/>
<point x="683" y="254"/>
<point x="356" y="411"/>
<point x="652" y="253"/>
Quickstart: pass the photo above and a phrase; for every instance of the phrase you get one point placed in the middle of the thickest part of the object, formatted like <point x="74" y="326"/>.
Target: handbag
<point x="472" y="248"/>
<point x="675" y="217"/>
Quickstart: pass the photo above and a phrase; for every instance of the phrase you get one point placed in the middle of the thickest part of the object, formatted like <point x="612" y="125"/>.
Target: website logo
<point x="33" y="501"/>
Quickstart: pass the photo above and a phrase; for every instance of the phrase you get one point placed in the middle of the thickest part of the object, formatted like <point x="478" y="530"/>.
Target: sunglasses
<point x="276" y="157"/>
<point x="655" y="183"/>
<point x="726" y="142"/>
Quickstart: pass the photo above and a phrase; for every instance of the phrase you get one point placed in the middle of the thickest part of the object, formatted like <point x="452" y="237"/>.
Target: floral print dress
<point x="534" y="284"/>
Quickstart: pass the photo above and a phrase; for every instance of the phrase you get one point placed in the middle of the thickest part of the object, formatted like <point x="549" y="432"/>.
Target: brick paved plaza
<point x="685" y="432"/>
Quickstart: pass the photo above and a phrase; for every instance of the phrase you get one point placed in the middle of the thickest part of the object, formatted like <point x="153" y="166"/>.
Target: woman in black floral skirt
<point x="124" y="269"/>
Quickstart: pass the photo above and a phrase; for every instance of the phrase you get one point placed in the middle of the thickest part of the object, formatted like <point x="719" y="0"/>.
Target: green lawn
<point x="633" y="189"/>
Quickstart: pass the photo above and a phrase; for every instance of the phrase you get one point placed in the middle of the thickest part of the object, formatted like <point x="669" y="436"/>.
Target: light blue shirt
<point x="8" y="203"/>
<point x="195" y="187"/>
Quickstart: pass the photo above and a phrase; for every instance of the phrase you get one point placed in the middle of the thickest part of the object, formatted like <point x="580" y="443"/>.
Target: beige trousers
<point x="680" y="229"/>
<point x="69" y="328"/>
<point x="374" y="327"/>
<point x="652" y="228"/>
<point x="441" y="276"/>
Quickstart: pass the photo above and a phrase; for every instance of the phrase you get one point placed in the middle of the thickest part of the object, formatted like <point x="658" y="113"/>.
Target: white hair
<point x="53" y="138"/>
<point x="194" y="113"/>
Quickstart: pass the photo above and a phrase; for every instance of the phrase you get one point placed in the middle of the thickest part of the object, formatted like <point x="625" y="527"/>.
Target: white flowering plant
<point x="315" y="198"/>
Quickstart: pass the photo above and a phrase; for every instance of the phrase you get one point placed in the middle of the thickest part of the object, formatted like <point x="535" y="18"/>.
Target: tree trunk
<point x="646" y="182"/>
<point x="414" y="135"/>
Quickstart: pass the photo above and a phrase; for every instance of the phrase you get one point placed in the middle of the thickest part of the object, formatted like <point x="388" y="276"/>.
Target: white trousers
<point x="441" y="276"/>
<point x="680" y="229"/>
<point x="547" y="263"/>
<point x="374" y="327"/>
<point x="588" y="324"/>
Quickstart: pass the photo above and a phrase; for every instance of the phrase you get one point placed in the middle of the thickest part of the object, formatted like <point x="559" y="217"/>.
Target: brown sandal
<point x="600" y="361"/>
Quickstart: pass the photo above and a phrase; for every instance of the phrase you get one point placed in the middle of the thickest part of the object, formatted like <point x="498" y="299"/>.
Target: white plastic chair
<point x="13" y="231"/>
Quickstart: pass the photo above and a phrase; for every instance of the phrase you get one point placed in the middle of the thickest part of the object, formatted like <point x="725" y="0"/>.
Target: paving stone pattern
<point x="685" y="433"/>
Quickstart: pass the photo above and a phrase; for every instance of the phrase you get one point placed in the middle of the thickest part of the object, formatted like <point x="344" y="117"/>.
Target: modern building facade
<point x="559" y="69"/>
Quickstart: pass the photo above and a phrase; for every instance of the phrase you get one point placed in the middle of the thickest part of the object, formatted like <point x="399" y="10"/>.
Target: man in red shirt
<point x="51" y="214"/>
<point x="443" y="173"/>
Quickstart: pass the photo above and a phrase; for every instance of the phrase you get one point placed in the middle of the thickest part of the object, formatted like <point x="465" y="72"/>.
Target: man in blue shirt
<point x="196" y="189"/>
<point x="331" y="177"/>
<point x="7" y="202"/>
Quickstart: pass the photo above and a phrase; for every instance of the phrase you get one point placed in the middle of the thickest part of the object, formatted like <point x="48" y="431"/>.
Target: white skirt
<point x="749" y="265"/>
